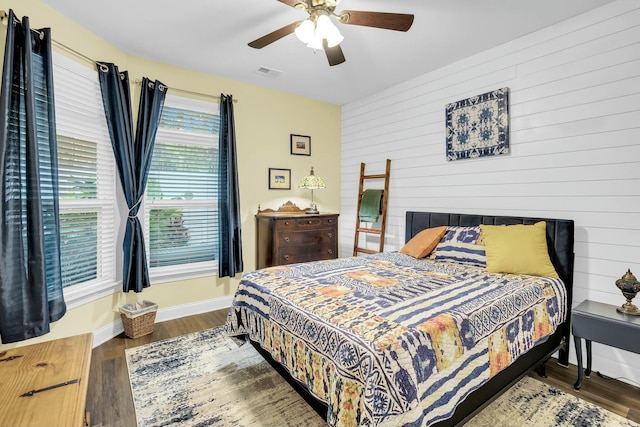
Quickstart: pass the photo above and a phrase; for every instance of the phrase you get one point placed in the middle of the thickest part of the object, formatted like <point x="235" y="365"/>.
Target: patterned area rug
<point x="533" y="403"/>
<point x="205" y="379"/>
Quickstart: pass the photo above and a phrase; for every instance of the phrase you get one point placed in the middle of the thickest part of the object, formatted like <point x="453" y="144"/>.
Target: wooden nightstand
<point x="289" y="235"/>
<point x="595" y="321"/>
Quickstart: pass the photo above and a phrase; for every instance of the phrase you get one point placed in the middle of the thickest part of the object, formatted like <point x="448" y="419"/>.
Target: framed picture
<point x="478" y="126"/>
<point x="300" y="145"/>
<point x="279" y="179"/>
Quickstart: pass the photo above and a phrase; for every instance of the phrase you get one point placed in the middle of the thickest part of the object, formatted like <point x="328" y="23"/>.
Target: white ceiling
<point x="211" y="36"/>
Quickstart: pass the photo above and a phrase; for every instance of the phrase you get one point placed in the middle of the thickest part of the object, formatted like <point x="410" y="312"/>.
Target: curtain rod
<point x="4" y="15"/>
<point x="75" y="52"/>
<point x="139" y="82"/>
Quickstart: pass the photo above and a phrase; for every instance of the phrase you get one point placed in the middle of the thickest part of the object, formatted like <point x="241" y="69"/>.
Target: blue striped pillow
<point x="460" y="244"/>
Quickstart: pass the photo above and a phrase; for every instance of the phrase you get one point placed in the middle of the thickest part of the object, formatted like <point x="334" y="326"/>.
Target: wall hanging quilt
<point x="478" y="126"/>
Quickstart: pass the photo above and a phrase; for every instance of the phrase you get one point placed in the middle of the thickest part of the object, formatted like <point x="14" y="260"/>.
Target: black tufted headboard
<point x="560" y="235"/>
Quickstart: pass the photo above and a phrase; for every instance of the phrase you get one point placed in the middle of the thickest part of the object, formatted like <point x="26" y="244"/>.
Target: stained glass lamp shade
<point x="312" y="182"/>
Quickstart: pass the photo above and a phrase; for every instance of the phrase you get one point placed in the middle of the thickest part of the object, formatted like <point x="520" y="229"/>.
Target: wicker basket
<point x="138" y="318"/>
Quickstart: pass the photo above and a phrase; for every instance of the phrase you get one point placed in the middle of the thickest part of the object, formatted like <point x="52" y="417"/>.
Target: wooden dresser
<point x="289" y="235"/>
<point x="45" y="384"/>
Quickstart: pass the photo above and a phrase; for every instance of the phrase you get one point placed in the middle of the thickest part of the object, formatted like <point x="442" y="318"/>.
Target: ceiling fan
<point x="319" y="32"/>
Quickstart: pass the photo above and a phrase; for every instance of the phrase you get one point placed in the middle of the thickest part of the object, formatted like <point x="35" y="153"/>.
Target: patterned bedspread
<point x="388" y="339"/>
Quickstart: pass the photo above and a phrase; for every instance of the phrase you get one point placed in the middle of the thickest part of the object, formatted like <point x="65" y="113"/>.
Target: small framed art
<point x="300" y="145"/>
<point x="279" y="179"/>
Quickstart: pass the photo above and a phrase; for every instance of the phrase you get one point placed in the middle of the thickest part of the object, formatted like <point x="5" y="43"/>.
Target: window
<point x="86" y="174"/>
<point x="181" y="218"/>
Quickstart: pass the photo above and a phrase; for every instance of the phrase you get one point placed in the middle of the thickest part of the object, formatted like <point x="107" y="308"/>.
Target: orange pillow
<point x="423" y="243"/>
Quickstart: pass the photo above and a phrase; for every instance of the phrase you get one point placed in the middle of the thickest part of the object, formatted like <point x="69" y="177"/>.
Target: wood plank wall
<point x="575" y="148"/>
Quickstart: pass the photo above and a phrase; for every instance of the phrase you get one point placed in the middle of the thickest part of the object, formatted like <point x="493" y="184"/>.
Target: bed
<point x="391" y="339"/>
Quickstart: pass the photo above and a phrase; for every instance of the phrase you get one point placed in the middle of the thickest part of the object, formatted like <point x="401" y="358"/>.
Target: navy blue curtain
<point x="229" y="224"/>
<point x="133" y="158"/>
<point x="30" y="274"/>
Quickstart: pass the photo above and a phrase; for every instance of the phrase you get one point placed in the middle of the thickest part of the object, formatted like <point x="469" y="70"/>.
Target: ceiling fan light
<point x="315" y="43"/>
<point x="305" y="32"/>
<point x="325" y="29"/>
<point x="323" y="24"/>
<point x="334" y="38"/>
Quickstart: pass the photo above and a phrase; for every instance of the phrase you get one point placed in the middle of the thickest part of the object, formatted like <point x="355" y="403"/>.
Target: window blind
<point x="86" y="175"/>
<point x="181" y="197"/>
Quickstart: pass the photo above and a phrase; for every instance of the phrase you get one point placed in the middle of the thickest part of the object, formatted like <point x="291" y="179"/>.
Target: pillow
<point x="518" y="249"/>
<point x="460" y="244"/>
<point x="422" y="244"/>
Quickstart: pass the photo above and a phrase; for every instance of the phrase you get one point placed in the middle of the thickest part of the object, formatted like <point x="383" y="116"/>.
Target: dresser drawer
<point x="317" y="237"/>
<point x="316" y="222"/>
<point x="305" y="254"/>
<point x="286" y="223"/>
<point x="307" y="223"/>
<point x="330" y="221"/>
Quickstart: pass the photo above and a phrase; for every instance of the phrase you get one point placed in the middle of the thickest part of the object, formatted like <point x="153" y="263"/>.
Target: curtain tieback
<point x="134" y="207"/>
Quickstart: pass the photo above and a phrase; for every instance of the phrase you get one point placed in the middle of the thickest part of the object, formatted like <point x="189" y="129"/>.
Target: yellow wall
<point x="264" y="120"/>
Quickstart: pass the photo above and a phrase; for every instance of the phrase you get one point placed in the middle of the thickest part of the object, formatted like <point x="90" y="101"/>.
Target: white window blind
<point x="181" y="219"/>
<point x="86" y="174"/>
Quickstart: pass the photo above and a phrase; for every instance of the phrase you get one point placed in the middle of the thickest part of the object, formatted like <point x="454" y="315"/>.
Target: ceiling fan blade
<point x="334" y="54"/>
<point x="274" y="36"/>
<point x="388" y="21"/>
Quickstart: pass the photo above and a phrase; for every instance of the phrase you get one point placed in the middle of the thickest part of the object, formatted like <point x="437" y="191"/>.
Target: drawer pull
<point x="286" y="239"/>
<point x="310" y="222"/>
<point x="330" y="251"/>
<point x="330" y="235"/>
<point x="286" y="257"/>
<point x="286" y="223"/>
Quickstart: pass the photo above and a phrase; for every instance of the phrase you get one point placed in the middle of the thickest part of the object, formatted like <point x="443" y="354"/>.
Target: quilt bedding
<point x="388" y="339"/>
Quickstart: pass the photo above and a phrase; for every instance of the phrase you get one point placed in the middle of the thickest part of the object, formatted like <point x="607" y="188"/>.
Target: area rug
<point x="206" y="379"/>
<point x="533" y="403"/>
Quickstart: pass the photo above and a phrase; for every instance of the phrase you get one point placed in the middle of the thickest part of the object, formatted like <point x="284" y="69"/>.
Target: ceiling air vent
<point x="268" y="72"/>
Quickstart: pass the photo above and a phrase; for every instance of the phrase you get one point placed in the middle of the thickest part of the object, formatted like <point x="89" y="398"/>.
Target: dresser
<point x="291" y="236"/>
<point x="45" y="384"/>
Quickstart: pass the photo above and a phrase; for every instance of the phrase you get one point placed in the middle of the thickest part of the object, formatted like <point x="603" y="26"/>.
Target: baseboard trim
<point x="114" y="329"/>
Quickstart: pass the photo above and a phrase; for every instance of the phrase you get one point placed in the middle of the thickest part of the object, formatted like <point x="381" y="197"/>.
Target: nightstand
<point x="595" y="321"/>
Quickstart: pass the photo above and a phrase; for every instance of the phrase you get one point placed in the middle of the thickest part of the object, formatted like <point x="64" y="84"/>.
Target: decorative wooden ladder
<point x="383" y="211"/>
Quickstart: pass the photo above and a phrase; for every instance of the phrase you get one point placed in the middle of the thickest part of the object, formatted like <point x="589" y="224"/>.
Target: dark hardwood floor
<point x="110" y="404"/>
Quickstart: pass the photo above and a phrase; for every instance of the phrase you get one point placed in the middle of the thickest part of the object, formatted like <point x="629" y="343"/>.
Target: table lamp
<point x="312" y="182"/>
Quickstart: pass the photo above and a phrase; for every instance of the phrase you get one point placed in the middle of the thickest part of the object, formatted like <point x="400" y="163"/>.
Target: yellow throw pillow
<point x="518" y="249"/>
<point x="423" y="243"/>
